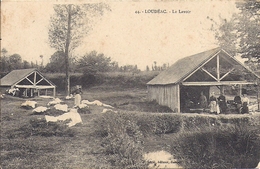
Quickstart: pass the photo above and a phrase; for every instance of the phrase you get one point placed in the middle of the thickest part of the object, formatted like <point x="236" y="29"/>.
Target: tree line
<point x="14" y="61"/>
<point x="90" y="63"/>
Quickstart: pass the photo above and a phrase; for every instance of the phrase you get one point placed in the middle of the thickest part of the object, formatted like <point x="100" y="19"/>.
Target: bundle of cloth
<point x="72" y="115"/>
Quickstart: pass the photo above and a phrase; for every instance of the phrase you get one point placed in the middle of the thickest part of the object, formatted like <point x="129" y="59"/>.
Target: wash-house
<point x="183" y="82"/>
<point x="30" y="82"/>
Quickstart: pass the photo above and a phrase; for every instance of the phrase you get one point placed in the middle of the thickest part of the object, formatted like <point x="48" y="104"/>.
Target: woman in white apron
<point x="213" y="105"/>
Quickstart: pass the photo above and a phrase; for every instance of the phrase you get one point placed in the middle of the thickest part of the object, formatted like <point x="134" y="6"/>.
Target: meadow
<point x="120" y="140"/>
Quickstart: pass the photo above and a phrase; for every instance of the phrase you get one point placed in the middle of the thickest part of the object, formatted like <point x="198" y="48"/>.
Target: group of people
<point x="216" y="105"/>
<point x="219" y="105"/>
<point x="241" y="104"/>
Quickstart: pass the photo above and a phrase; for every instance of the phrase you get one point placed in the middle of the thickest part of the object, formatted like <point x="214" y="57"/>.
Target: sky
<point x="122" y="34"/>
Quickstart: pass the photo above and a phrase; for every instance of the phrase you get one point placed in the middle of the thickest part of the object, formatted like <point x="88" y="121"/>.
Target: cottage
<point x="29" y="82"/>
<point x="192" y="75"/>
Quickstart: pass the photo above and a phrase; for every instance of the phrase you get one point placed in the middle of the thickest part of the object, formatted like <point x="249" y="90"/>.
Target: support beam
<point x="240" y="89"/>
<point x="39" y="80"/>
<point x="218" y="71"/>
<point x="258" y="94"/>
<point x="29" y="80"/>
<point x="209" y="74"/>
<point x="34" y="79"/>
<point x="227" y="74"/>
<point x="222" y="83"/>
<point x="54" y="91"/>
<point x="201" y="66"/>
<point x="221" y="90"/>
<point x="178" y="99"/>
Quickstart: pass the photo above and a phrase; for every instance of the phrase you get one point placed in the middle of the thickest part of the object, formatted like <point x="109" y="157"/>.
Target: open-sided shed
<point x="195" y="74"/>
<point x="29" y="81"/>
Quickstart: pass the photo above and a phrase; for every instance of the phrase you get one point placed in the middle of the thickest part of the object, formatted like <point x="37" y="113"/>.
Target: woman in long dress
<point x="77" y="96"/>
<point x="203" y="101"/>
<point x="213" y="105"/>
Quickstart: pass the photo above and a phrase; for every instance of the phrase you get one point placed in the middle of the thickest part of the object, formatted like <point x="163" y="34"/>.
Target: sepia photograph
<point x="130" y="84"/>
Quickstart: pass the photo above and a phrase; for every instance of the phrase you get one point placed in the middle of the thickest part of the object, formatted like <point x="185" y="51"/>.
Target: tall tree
<point x="248" y="28"/>
<point x="226" y="34"/>
<point x="241" y="34"/>
<point x="68" y="25"/>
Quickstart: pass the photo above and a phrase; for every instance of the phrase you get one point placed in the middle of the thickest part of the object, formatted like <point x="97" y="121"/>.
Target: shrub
<point x="121" y="141"/>
<point x="39" y="127"/>
<point x="236" y="146"/>
<point x="159" y="123"/>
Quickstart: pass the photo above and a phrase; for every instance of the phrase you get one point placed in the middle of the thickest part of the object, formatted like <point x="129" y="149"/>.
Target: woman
<point x="213" y="105"/>
<point x="222" y="104"/>
<point x="203" y="101"/>
<point x="238" y="103"/>
<point x="245" y="103"/>
<point x="77" y="96"/>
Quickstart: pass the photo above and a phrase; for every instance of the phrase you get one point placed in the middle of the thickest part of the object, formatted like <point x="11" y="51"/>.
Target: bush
<point x="121" y="141"/>
<point x="39" y="127"/>
<point x="236" y="146"/>
<point x="151" y="124"/>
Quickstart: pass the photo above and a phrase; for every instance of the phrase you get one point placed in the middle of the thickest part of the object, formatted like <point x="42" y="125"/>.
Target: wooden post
<point x="258" y="94"/>
<point x="240" y="90"/>
<point x="221" y="90"/>
<point x="54" y="91"/>
<point x="218" y="72"/>
<point x="178" y="99"/>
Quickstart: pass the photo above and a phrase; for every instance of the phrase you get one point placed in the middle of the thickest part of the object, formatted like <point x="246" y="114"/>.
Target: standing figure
<point x="213" y="104"/>
<point x="238" y="103"/>
<point x="77" y="96"/>
<point x="245" y="103"/>
<point x="203" y="101"/>
<point x="222" y="103"/>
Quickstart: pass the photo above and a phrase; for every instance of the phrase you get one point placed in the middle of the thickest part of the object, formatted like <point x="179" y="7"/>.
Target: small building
<point x="30" y="82"/>
<point x="190" y="76"/>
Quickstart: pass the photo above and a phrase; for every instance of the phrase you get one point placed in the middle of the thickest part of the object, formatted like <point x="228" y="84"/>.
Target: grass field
<point x="19" y="149"/>
<point x="78" y="146"/>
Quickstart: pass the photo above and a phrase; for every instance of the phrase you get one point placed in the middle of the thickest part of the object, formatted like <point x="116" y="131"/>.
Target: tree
<point x="93" y="62"/>
<point x="248" y="28"/>
<point x="41" y="56"/>
<point x="155" y="67"/>
<point x="26" y="64"/>
<point x="241" y="34"/>
<point x="4" y="60"/>
<point x="15" y="61"/>
<point x="68" y="26"/>
<point x="57" y="63"/>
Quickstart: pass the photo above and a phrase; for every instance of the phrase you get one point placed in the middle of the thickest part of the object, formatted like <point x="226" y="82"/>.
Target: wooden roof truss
<point x="220" y="69"/>
<point x="34" y="80"/>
